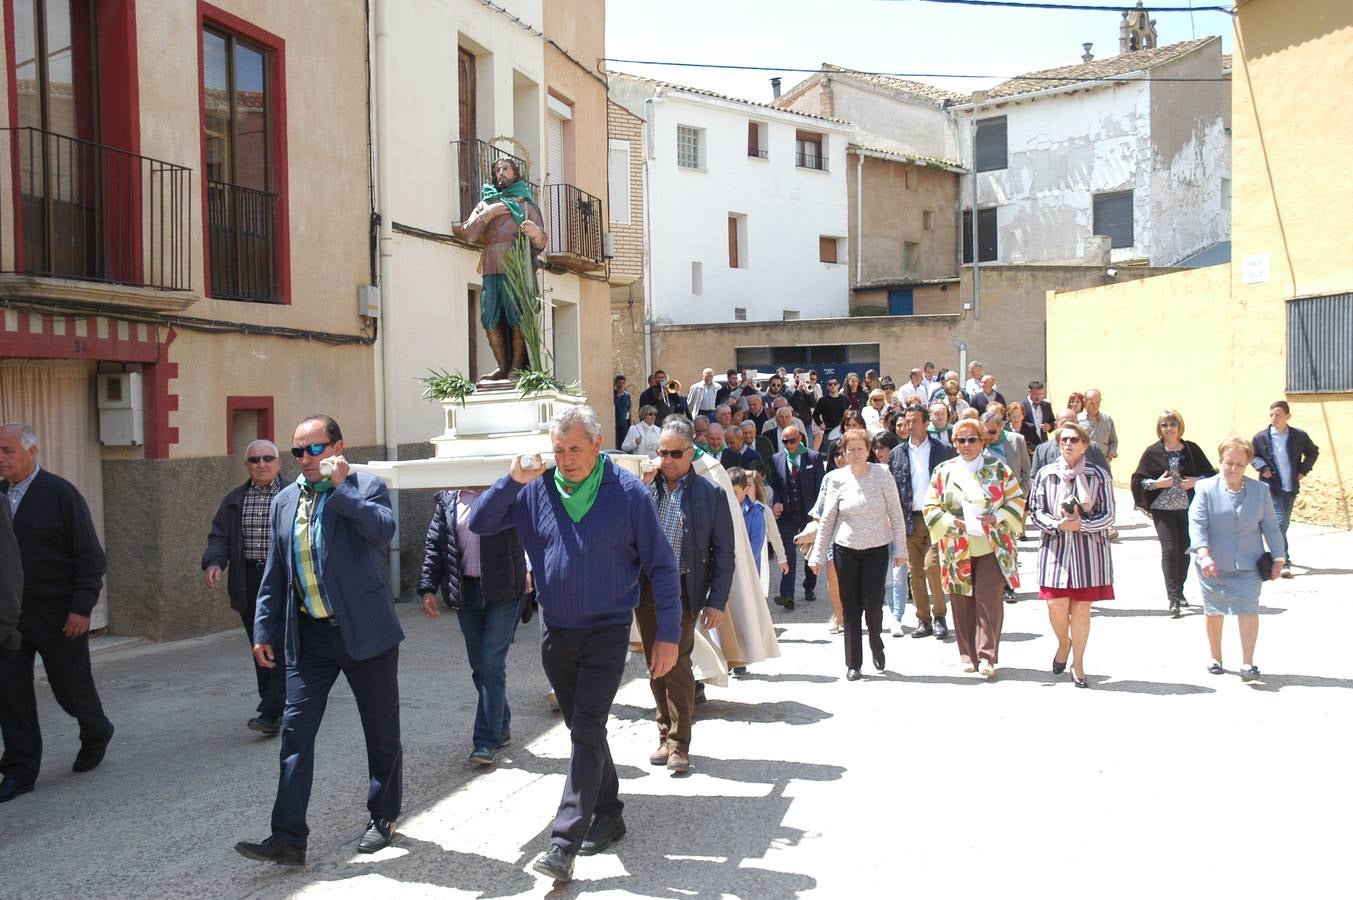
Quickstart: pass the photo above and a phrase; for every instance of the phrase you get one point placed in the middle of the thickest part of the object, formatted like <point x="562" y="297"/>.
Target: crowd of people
<point x="919" y="494"/>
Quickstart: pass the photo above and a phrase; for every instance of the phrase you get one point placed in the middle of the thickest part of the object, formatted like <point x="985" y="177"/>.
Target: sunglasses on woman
<point x="967" y="440"/>
<point x="312" y="449"/>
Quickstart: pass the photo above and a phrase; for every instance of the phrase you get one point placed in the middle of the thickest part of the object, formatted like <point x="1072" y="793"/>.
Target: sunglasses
<point x="672" y="454"/>
<point x="791" y="442"/>
<point x="261" y="459"/>
<point x="967" y="440"/>
<point x="312" y="449"/>
<point x="1069" y="439"/>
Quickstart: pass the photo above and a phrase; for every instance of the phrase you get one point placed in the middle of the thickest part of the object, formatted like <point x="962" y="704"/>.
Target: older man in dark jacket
<point x="483" y="579"/>
<point x="911" y="463"/>
<point x="238" y="547"/>
<point x="795" y="479"/>
<point x="11" y="585"/>
<point x="694" y="516"/>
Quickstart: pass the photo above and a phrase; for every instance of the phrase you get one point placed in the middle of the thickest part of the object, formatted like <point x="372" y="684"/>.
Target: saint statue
<point x="506" y="211"/>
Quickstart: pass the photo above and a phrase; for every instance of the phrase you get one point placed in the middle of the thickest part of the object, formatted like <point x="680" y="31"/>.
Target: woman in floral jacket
<point x="975" y="568"/>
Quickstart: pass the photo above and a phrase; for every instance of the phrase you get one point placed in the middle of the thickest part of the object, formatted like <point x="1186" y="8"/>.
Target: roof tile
<point x="1108" y="67"/>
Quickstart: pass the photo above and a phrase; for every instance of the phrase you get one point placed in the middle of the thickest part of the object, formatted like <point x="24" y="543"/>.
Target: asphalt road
<point x="919" y="782"/>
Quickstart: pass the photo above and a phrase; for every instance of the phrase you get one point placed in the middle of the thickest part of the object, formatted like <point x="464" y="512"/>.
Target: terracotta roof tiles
<point x="1108" y="67"/>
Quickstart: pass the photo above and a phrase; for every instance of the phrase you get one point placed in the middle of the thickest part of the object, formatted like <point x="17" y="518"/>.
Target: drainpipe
<point x="978" y="98"/>
<point x="650" y="106"/>
<point x="389" y="355"/>
<point x="859" y="216"/>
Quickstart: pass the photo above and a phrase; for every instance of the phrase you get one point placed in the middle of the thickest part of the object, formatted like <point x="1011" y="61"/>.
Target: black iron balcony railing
<point x="810" y="161"/>
<point x="242" y="234"/>
<point x="86" y="211"/>
<point x="573" y="221"/>
<point x="473" y="161"/>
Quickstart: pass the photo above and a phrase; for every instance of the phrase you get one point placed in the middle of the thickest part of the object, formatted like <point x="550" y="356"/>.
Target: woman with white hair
<point x="643" y="435"/>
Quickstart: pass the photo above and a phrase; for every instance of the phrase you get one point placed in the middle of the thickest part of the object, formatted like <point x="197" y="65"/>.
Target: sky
<point x="893" y="36"/>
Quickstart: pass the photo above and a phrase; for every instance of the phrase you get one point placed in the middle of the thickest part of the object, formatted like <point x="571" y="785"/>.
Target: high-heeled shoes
<point x="1058" y="666"/>
<point x="1079" y="680"/>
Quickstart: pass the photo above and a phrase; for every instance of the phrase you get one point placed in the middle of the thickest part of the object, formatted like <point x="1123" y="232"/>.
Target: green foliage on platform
<point x="439" y="384"/>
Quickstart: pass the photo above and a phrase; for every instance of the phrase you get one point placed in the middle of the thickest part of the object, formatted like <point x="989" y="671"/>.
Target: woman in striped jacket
<point x="1072" y="504"/>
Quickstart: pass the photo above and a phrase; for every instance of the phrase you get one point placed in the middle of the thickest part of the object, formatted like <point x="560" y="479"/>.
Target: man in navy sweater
<point x="590" y="530"/>
<point x="63" y="567"/>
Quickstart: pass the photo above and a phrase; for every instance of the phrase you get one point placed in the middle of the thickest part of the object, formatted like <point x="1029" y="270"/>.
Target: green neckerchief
<point x="795" y="456"/>
<point x="701" y="450"/>
<point x="518" y="190"/>
<point x="321" y="486"/>
<point x="578" y="497"/>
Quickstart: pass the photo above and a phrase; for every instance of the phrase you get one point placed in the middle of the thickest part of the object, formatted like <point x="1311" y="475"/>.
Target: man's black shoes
<point x="268" y="726"/>
<point x="90" y="756"/>
<point x="555" y="863"/>
<point x="11" y="788"/>
<point x="923" y="629"/>
<point x="379" y="834"/>
<point x="605" y="831"/>
<point x="808" y="595"/>
<point x="284" y="853"/>
<point x="941" y="627"/>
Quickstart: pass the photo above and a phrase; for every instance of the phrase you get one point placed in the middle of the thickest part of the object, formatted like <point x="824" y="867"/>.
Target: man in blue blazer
<point x="326" y="593"/>
<point x="912" y="463"/>
<point x="795" y="479"/>
<point x="1283" y="455"/>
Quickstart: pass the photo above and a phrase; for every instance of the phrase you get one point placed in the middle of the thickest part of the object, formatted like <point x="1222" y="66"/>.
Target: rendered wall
<point x="883" y="120"/>
<point x="892" y="214"/>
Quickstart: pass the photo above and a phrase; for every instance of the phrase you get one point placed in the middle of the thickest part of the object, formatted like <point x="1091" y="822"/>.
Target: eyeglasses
<point x="967" y="440"/>
<point x="261" y="459"/>
<point x="312" y="449"/>
<point x="1069" y="439"/>
<point x="791" y="442"/>
<point x="672" y="454"/>
<point x="1169" y="424"/>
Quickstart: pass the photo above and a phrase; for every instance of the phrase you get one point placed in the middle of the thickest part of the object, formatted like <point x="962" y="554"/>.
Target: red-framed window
<point x="248" y="419"/>
<point x="243" y="105"/>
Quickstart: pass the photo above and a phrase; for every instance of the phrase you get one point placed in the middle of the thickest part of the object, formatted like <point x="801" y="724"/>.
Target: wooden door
<point x="468" y="162"/>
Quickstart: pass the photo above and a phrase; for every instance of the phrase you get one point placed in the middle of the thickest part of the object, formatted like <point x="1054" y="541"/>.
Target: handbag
<point x="1265" y="566"/>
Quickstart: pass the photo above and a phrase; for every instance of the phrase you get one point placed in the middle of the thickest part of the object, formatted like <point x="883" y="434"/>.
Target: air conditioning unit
<point x="121" y="423"/>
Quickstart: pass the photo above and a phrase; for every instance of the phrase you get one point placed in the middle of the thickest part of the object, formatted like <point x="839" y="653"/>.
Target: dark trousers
<point x="789" y="526"/>
<point x="272" y="683"/>
<point x="66" y="662"/>
<point x="1172" y="527"/>
<point x="979" y="617"/>
<point x="321" y="656"/>
<point x="488" y="634"/>
<point x="673" y="693"/>
<point x="860" y="574"/>
<point x="584" y="667"/>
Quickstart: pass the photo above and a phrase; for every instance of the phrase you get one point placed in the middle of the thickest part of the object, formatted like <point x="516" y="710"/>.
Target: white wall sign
<point x="1255" y="269"/>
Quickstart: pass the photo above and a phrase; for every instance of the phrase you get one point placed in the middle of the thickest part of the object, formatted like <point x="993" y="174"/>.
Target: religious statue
<point x="506" y="223"/>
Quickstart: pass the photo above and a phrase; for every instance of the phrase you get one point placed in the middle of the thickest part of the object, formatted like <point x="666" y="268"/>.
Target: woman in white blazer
<point x="643" y="435"/>
<point x="1231" y="518"/>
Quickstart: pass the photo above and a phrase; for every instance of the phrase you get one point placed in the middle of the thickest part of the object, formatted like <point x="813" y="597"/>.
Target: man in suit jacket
<point x="987" y="395"/>
<point x="1283" y="455"/>
<point x="1038" y="411"/>
<point x="911" y="463"/>
<point x="63" y="568"/>
<point x="238" y="547"/>
<point x="752" y="437"/>
<point x="11" y="585"/>
<point x="795" y="478"/>
<point x="326" y="597"/>
<point x="695" y="517"/>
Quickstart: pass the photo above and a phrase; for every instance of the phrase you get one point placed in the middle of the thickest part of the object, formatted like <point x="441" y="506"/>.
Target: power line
<point x="1081" y="7"/>
<point x="987" y="76"/>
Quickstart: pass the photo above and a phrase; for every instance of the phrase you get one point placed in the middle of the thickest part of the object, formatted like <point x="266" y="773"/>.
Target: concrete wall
<point x="1066" y="148"/>
<point x="787" y="208"/>
<point x="1288" y="191"/>
<point x="582" y="336"/>
<point x="883" y="120"/>
<point x="892" y="214"/>
<point x="428" y="324"/>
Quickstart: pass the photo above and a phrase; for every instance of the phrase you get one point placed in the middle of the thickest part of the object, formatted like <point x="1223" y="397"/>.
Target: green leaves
<point x="533" y="381"/>
<point x="521" y="286"/>
<point x="439" y="384"/>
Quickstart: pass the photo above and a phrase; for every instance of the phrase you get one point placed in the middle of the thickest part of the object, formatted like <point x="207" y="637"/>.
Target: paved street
<point x="922" y="781"/>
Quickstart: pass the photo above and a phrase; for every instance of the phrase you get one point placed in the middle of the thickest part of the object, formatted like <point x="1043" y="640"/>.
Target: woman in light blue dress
<point x="1231" y="518"/>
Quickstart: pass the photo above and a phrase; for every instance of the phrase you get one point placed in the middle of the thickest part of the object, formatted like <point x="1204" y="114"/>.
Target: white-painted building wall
<point x="1165" y="142"/>
<point x="432" y="279"/>
<point x="788" y="208"/>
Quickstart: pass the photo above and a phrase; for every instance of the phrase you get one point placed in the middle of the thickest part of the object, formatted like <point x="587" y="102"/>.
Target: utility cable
<point x="989" y="77"/>
<point x="1081" y="7"/>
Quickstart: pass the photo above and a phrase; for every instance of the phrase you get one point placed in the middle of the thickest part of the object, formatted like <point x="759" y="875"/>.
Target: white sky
<point x="894" y="36"/>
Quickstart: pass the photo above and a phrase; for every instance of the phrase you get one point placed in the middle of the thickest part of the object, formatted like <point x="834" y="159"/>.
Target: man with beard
<point x="507" y="208"/>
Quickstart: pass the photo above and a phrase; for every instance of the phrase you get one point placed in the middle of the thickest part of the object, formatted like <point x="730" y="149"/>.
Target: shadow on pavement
<point x="1118" y="611"/>
<point x="1102" y="683"/>
<point x="787" y="711"/>
<point x="1275" y="683"/>
<point x="1018" y="636"/>
<point x="804" y="641"/>
<point x="811" y="679"/>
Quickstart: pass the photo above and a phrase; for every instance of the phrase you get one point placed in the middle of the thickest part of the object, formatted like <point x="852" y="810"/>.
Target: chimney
<point x="1087" y="55"/>
<point x="775" y="88"/>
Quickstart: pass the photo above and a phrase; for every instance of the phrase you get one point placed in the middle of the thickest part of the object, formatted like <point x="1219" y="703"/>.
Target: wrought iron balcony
<point x="242" y="235"/>
<point x="810" y="161"/>
<point x="75" y="209"/>
<point x="573" y="222"/>
<point x="473" y="162"/>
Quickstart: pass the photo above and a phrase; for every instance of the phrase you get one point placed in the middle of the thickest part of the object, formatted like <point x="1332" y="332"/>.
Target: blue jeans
<point x="1282" y="505"/>
<point x="895" y="585"/>
<point x="488" y="633"/>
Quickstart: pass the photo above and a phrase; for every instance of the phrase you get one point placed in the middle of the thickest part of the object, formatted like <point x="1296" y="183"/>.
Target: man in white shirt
<point x="704" y="395"/>
<point x="915" y="390"/>
<point x="911" y="463"/>
<point x="974" y="383"/>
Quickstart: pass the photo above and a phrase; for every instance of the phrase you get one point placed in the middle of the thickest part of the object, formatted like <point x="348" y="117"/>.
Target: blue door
<point x="899" y="302"/>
